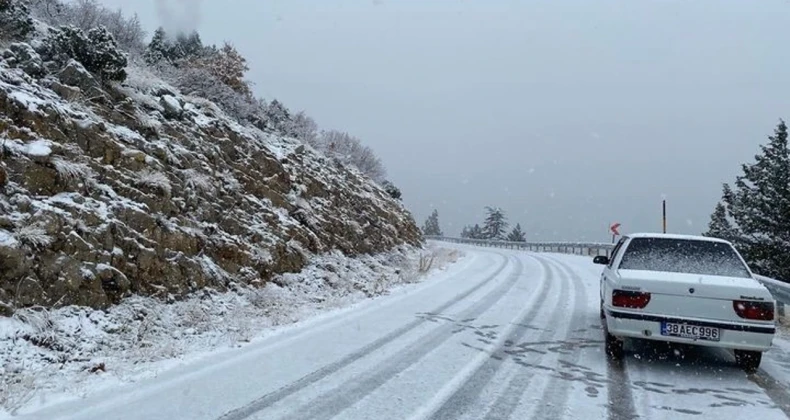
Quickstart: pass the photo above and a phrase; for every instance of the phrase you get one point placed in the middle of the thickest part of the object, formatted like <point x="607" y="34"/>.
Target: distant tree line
<point x="754" y="212"/>
<point x="106" y="41"/>
<point x="494" y="227"/>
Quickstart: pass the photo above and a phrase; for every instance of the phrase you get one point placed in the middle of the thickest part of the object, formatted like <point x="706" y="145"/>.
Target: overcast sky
<point x="568" y="114"/>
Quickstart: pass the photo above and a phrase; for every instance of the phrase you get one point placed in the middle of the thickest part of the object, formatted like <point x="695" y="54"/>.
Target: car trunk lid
<point x="712" y="297"/>
<point x="694" y="285"/>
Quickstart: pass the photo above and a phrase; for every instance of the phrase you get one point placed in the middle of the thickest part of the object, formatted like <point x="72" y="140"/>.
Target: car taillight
<point x="629" y="299"/>
<point x="761" y="311"/>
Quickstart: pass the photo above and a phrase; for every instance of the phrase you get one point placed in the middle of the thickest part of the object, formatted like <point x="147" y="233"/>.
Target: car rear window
<point x="683" y="256"/>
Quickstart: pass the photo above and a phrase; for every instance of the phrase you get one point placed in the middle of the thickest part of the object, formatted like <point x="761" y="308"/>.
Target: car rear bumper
<point x="741" y="336"/>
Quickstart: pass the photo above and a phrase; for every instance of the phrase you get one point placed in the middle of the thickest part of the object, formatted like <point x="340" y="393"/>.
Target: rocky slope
<point x="109" y="190"/>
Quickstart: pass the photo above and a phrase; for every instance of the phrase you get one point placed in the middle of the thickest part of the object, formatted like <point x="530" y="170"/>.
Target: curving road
<point x="499" y="335"/>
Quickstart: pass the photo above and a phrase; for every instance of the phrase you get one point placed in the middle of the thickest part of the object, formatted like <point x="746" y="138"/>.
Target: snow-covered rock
<point x="75" y="74"/>
<point x="171" y="106"/>
<point x="38" y="149"/>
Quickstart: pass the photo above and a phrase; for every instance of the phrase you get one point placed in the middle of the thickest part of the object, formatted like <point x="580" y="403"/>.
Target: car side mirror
<point x="601" y="259"/>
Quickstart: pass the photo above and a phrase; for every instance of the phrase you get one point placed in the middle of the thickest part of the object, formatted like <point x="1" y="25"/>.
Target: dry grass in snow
<point x="70" y="350"/>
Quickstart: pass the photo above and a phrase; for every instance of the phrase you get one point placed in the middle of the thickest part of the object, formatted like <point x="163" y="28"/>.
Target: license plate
<point x="693" y="332"/>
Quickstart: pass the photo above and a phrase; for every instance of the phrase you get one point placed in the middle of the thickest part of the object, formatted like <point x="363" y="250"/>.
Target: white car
<point x="685" y="289"/>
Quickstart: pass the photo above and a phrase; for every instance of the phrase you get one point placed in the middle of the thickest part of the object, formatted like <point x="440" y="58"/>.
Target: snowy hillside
<point x="132" y="188"/>
<point x="139" y="224"/>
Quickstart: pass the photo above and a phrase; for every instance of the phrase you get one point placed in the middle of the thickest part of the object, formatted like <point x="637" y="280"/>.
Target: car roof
<point x="675" y="236"/>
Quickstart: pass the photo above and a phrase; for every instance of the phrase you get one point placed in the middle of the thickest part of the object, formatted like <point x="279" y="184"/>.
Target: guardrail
<point x="779" y="289"/>
<point x="577" y="248"/>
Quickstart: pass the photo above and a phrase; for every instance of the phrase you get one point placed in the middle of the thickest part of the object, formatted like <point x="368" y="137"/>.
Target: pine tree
<point x="431" y="226"/>
<point x="495" y="224"/>
<point x="759" y="207"/>
<point x="186" y="47"/>
<point x="158" y="49"/>
<point x="465" y="232"/>
<point x="476" y="232"/>
<point x="517" y="235"/>
<point x="97" y="51"/>
<point x="719" y="226"/>
<point x="278" y="118"/>
<point x="392" y="190"/>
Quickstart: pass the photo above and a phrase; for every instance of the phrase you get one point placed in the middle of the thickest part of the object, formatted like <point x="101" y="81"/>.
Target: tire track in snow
<point x="271" y="398"/>
<point x="620" y="404"/>
<point x="557" y="391"/>
<point x="469" y="392"/>
<point x="333" y="402"/>
<point x="621" y="401"/>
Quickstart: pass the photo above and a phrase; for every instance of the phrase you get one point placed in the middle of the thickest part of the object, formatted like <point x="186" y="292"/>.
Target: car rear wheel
<point x="747" y="360"/>
<point x="614" y="347"/>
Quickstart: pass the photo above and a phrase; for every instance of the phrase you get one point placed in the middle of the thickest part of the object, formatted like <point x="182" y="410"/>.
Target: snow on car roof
<point x="675" y="236"/>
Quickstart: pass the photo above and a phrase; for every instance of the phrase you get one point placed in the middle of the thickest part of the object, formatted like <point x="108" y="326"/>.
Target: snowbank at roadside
<point x="70" y="352"/>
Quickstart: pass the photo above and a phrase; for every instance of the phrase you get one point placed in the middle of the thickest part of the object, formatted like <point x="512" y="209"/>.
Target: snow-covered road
<point x="500" y="334"/>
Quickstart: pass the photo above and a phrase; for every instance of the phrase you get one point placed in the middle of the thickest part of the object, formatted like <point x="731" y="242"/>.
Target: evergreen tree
<point x="158" y="49"/>
<point x="517" y="235"/>
<point x="759" y="207"/>
<point x="431" y="226"/>
<point x="278" y="118"/>
<point x="476" y="232"/>
<point x="719" y="226"/>
<point x="495" y="224"/>
<point x="96" y="51"/>
<point x="465" y="232"/>
<point x="392" y="190"/>
<point x="186" y="46"/>
<point x="15" y="20"/>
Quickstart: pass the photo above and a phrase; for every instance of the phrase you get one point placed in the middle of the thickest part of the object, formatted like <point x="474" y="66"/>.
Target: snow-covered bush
<point x="305" y="129"/>
<point x="350" y="151"/>
<point x="88" y="14"/>
<point x="278" y="118"/>
<point x="97" y="51"/>
<point x="392" y="190"/>
<point x="33" y="236"/>
<point x="72" y="171"/>
<point x="229" y="181"/>
<point x="15" y="20"/>
<point x="200" y="82"/>
<point x="193" y="315"/>
<point x="154" y="179"/>
<point x="228" y="66"/>
<point x="198" y="181"/>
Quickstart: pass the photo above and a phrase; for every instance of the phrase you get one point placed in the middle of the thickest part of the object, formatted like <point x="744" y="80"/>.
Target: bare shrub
<point x="16" y="390"/>
<point x="426" y="262"/>
<point x="198" y="181"/>
<point x="192" y="314"/>
<point x="72" y="171"/>
<point x="350" y="151"/>
<point x="154" y="179"/>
